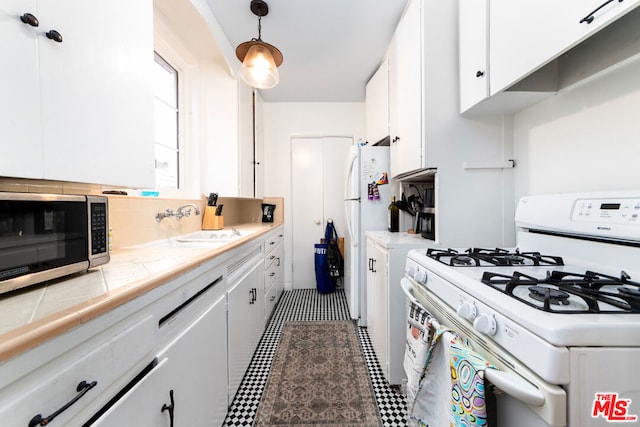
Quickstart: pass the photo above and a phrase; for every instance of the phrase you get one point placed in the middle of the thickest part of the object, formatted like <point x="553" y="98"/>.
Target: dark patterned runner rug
<point x="318" y="378"/>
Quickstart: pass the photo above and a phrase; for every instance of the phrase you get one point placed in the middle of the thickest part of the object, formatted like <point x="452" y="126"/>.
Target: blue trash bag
<point x="324" y="282"/>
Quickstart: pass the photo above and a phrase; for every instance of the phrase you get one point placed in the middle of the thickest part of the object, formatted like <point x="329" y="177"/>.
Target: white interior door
<point x="318" y="174"/>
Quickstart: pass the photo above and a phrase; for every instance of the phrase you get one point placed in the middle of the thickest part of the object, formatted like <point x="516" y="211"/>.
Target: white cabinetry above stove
<point x="541" y="31"/>
<point x="556" y="45"/>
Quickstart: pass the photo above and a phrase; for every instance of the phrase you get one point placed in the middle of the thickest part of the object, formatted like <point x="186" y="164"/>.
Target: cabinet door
<point x="381" y="305"/>
<point x="245" y="306"/>
<point x="198" y="369"/>
<point x="142" y="405"/>
<point x="405" y="73"/>
<point x="541" y="31"/>
<point x="97" y="105"/>
<point x="246" y="142"/>
<point x="377" y="303"/>
<point x="370" y="289"/>
<point x="377" y="104"/>
<point x="20" y="87"/>
<point x="473" y="51"/>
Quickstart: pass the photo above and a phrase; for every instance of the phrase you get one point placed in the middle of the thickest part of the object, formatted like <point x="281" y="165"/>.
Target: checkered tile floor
<point x="308" y="304"/>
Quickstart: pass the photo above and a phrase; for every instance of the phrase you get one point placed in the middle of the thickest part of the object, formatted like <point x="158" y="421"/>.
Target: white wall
<point x="587" y="139"/>
<point x="281" y="122"/>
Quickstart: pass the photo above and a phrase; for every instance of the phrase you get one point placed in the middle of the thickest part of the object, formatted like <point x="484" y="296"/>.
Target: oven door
<point x="522" y="398"/>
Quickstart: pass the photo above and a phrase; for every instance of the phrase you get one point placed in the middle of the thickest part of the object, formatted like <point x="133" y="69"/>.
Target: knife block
<point x="211" y="221"/>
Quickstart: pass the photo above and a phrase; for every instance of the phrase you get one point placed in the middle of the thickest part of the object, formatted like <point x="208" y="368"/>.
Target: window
<point x="166" y="124"/>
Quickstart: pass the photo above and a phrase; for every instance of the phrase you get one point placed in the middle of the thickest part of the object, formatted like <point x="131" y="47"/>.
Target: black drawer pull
<point x="82" y="388"/>
<point x="589" y="18"/>
<point x="29" y="19"/>
<point x="54" y="35"/>
<point x="479" y="74"/>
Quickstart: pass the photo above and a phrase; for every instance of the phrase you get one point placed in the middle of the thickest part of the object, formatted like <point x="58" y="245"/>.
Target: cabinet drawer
<point x="272" y="258"/>
<point x="272" y="242"/>
<point x="271" y="275"/>
<point x="270" y="300"/>
<point x="47" y="389"/>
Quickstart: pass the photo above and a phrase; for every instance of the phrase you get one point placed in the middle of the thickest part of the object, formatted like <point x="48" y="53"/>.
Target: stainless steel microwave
<point x="46" y="236"/>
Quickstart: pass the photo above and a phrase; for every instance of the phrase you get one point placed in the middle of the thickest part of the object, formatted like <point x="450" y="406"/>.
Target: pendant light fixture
<point x="260" y="60"/>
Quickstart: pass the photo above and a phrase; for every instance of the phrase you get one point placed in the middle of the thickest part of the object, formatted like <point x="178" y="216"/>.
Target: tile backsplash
<point x="132" y="219"/>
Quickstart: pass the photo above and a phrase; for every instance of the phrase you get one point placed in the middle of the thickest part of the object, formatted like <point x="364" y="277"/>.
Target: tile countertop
<point x="40" y="313"/>
<point x="402" y="239"/>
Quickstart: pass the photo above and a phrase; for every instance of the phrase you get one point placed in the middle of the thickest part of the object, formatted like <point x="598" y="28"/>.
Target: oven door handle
<point x="515" y="386"/>
<point x="407" y="287"/>
<point x="509" y="382"/>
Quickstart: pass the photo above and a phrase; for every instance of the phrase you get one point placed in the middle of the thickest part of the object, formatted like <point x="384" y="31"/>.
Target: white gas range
<point x="561" y="311"/>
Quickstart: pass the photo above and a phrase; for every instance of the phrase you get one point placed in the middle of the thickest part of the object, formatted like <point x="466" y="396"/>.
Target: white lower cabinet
<point x="191" y="363"/>
<point x="142" y="404"/>
<point x="386" y="312"/>
<point x="35" y="389"/>
<point x="245" y="317"/>
<point x="183" y="346"/>
<point x="273" y="271"/>
<point x="198" y="370"/>
<point x="377" y="298"/>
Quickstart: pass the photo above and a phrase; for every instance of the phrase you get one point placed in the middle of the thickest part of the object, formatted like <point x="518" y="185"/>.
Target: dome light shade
<point x="260" y="60"/>
<point x="260" y="66"/>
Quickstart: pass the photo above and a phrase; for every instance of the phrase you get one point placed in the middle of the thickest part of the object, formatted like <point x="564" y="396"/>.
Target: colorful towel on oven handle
<point x="468" y="405"/>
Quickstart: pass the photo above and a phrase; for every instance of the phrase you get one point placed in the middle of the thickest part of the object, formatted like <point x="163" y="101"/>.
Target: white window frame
<point x="172" y="51"/>
<point x="160" y="61"/>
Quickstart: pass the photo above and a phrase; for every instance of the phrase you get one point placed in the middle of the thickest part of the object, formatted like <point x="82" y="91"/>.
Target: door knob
<point x="318" y="222"/>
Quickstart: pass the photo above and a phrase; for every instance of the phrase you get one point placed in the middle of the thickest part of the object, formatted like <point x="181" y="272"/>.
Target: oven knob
<point x="485" y="324"/>
<point x="467" y="310"/>
<point x="420" y="276"/>
<point x="411" y="271"/>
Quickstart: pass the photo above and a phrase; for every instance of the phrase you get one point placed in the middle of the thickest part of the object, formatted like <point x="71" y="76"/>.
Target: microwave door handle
<point x="515" y="386"/>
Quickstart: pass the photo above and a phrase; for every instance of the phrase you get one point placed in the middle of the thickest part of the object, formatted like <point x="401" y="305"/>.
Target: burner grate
<point x="498" y="257"/>
<point x="621" y="295"/>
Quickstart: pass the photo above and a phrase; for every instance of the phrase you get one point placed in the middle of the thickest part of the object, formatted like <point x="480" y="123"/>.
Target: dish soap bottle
<point x="394" y="216"/>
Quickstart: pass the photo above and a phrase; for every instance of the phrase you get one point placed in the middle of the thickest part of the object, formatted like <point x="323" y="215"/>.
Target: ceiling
<point x="330" y="47"/>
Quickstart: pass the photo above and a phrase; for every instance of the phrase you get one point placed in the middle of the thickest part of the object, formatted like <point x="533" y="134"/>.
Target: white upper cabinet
<point x="377" y="104"/>
<point x="524" y="38"/>
<point x="80" y="107"/>
<point x="20" y="108"/>
<point x="406" y="93"/>
<point x="474" y="52"/>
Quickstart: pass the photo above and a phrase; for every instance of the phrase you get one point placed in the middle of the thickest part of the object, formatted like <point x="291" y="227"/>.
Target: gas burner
<point x="565" y="292"/>
<point x="548" y="295"/>
<point x="462" y="260"/>
<point x="478" y="257"/>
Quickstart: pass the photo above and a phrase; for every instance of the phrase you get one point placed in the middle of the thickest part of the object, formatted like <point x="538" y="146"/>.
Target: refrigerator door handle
<point x="347" y="197"/>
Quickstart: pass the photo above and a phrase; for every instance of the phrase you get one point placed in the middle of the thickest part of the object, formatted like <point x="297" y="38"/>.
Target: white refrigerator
<point x="367" y="201"/>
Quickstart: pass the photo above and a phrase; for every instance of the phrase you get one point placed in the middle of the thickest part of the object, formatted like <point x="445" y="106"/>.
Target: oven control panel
<point x="615" y="211"/>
